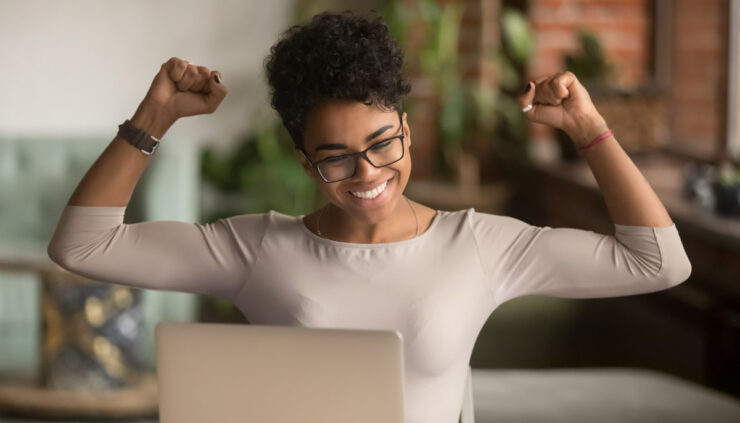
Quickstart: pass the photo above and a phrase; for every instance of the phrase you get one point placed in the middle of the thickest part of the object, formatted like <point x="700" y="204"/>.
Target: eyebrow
<point x="344" y="146"/>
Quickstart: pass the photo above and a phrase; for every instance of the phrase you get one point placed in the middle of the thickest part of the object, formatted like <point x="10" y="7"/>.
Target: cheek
<point x="406" y="166"/>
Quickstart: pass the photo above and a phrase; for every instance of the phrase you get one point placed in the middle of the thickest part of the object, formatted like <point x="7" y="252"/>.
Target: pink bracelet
<point x="596" y="141"/>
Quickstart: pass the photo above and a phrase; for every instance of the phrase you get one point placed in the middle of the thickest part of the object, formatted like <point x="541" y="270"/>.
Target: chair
<point x="467" y="415"/>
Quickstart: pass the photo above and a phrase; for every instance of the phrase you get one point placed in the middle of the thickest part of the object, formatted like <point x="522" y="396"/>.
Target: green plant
<point x="262" y="173"/>
<point x="589" y="64"/>
<point x="467" y="106"/>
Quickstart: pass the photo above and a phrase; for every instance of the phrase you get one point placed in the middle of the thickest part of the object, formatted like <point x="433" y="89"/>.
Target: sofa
<point x="37" y="177"/>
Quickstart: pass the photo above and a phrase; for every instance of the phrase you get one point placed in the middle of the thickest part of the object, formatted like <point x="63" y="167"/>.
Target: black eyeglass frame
<point x="362" y="154"/>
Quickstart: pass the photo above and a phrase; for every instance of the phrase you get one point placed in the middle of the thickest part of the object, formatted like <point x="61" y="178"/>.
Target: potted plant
<point x="465" y="108"/>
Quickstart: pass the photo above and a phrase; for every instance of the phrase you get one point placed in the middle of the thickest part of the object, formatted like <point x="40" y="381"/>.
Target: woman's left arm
<point x="562" y="102"/>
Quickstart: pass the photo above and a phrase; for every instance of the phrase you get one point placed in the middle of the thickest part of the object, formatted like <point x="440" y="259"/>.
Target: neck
<point x="333" y="223"/>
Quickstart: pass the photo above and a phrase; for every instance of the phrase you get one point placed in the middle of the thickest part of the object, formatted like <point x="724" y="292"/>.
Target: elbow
<point x="54" y="253"/>
<point x="58" y="254"/>
<point x="675" y="271"/>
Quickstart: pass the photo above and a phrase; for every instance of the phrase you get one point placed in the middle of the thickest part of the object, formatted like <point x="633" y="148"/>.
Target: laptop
<point x="278" y="374"/>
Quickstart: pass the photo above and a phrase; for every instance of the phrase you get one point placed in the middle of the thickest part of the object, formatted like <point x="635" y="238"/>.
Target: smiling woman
<point x="371" y="258"/>
<point x="335" y="99"/>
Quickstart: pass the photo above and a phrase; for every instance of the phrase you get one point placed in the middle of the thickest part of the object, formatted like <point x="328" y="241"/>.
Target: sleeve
<point x="572" y="263"/>
<point x="213" y="259"/>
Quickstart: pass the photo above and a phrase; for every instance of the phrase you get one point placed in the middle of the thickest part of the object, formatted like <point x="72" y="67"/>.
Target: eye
<point x="333" y="159"/>
<point x="381" y="145"/>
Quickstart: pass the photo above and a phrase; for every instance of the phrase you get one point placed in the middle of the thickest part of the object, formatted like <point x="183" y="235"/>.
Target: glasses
<point x="380" y="154"/>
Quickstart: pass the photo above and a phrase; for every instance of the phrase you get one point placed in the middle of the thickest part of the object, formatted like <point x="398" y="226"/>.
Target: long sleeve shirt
<point x="437" y="289"/>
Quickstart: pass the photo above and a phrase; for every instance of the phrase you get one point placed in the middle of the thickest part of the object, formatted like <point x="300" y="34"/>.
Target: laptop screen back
<point x="251" y="373"/>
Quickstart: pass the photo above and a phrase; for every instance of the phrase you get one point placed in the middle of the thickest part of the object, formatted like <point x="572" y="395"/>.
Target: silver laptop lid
<point x="250" y="373"/>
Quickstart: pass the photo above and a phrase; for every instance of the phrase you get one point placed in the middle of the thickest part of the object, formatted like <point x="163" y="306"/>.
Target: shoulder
<point x="480" y="219"/>
<point x="249" y="219"/>
<point x="249" y="224"/>
<point x="502" y="229"/>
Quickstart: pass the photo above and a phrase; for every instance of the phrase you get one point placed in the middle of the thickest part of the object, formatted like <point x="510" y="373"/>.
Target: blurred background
<point x="663" y="73"/>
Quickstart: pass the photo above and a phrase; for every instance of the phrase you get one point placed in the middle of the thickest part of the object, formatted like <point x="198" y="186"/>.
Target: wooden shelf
<point x="29" y="400"/>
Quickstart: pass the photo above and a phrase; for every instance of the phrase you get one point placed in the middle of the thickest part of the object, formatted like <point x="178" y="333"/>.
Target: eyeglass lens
<point x="381" y="154"/>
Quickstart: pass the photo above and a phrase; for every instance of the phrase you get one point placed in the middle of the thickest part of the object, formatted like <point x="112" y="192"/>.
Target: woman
<point x="371" y="258"/>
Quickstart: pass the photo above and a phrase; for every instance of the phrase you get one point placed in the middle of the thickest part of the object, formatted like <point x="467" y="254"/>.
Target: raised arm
<point x="179" y="89"/>
<point x="91" y="239"/>
<point x="562" y="102"/>
<point x="645" y="254"/>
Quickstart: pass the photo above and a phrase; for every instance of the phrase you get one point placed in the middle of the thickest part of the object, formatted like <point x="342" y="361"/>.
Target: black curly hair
<point x="335" y="56"/>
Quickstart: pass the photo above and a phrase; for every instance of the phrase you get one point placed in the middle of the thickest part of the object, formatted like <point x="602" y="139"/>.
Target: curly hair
<point x="335" y="56"/>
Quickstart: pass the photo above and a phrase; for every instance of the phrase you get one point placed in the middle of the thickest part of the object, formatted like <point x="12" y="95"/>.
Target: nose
<point x="364" y="169"/>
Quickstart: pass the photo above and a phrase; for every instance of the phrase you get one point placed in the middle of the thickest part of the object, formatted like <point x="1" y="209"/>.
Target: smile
<point x="369" y="195"/>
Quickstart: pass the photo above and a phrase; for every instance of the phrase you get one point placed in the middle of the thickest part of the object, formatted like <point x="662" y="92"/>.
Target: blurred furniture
<point x="602" y="395"/>
<point x="692" y="330"/>
<point x="532" y="396"/>
<point x="37" y="177"/>
<point x="30" y="402"/>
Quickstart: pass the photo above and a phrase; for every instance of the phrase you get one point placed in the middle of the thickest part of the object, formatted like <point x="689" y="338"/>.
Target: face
<point x="345" y="126"/>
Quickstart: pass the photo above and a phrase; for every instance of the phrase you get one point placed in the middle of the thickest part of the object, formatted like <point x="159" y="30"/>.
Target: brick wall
<point x="699" y="75"/>
<point x="622" y="27"/>
<point x="697" y="57"/>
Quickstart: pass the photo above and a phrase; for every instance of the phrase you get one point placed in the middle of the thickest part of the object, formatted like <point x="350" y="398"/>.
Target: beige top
<point x="437" y="289"/>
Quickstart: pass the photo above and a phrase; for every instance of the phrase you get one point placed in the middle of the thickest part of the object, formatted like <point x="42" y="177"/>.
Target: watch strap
<point x="140" y="139"/>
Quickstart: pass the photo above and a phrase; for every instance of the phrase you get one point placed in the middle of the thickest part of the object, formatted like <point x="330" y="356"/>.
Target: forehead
<point x="344" y="122"/>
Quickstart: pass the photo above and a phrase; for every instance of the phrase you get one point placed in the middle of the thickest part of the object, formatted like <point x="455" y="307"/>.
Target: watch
<point x="145" y="142"/>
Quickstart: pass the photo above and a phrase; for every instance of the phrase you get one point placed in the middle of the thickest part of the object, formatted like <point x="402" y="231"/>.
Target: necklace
<point x="416" y="219"/>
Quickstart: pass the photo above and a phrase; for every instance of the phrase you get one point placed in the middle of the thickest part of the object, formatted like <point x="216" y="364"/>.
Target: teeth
<point x="372" y="193"/>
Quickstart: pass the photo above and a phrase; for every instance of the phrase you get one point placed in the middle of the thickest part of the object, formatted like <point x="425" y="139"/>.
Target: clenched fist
<point x="178" y="90"/>
<point x="182" y="89"/>
<point x="562" y="102"/>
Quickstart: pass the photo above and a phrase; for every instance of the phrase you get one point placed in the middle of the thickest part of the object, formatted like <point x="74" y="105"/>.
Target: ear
<point x="305" y="164"/>
<point x="406" y="130"/>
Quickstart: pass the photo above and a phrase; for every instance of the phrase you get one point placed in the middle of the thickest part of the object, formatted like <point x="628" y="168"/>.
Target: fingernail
<point x="218" y="80"/>
<point x="528" y="87"/>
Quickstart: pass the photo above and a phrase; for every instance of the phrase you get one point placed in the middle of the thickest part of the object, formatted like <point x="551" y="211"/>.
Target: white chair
<point x="467" y="414"/>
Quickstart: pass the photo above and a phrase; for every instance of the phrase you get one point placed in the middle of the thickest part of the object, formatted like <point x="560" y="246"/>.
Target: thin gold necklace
<point x="318" y="221"/>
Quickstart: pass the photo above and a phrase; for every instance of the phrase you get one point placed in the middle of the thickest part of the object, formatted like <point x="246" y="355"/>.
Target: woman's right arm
<point x="92" y="240"/>
<point x="179" y="89"/>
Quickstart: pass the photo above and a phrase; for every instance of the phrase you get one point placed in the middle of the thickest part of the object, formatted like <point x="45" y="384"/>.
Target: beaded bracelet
<point x="596" y="141"/>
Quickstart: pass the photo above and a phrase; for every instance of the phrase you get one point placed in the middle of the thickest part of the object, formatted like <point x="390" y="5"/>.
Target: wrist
<point x="152" y="120"/>
<point x="588" y="130"/>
